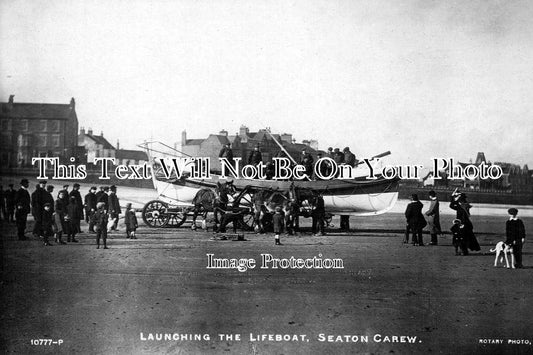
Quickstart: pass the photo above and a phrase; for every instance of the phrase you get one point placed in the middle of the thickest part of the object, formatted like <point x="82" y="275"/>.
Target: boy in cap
<point x="47" y="222"/>
<point x="131" y="222"/>
<point x="516" y="235"/>
<point x="458" y="238"/>
<point x="278" y="221"/>
<point x="100" y="218"/>
<point x="90" y="207"/>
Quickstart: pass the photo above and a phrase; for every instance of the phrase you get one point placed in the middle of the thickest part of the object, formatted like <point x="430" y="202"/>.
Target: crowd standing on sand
<point x="463" y="238"/>
<point x="61" y="216"/>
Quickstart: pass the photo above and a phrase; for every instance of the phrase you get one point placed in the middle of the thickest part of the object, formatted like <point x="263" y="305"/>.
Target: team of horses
<point x="262" y="204"/>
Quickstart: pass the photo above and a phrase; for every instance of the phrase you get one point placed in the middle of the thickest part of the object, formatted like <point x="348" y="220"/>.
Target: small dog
<point x="501" y="247"/>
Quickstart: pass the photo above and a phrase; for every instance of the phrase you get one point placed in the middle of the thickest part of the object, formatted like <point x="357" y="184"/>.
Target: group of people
<point x="285" y="219"/>
<point x="62" y="216"/>
<point x="462" y="229"/>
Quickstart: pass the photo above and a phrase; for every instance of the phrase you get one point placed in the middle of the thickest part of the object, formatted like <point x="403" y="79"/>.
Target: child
<point x="458" y="239"/>
<point x="47" y="222"/>
<point x="516" y="235"/>
<point x="278" y="222"/>
<point x="131" y="222"/>
<point x="100" y="218"/>
<point x="73" y="211"/>
<point x="60" y="218"/>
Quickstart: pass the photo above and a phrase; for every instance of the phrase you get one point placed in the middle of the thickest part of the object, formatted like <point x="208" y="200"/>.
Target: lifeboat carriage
<point x="181" y="200"/>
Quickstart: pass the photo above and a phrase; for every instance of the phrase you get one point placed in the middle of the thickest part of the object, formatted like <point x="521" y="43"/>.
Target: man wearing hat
<point x="65" y="194"/>
<point x="349" y="157"/>
<point x="22" y="201"/>
<point x="227" y="153"/>
<point x="79" y="203"/>
<point x="104" y="197"/>
<point x="255" y="156"/>
<point x="415" y="221"/>
<point x="90" y="208"/>
<point x="114" y="207"/>
<point x="37" y="207"/>
<point x="516" y="235"/>
<point x="338" y="156"/>
<point x="49" y="197"/>
<point x="10" y="203"/>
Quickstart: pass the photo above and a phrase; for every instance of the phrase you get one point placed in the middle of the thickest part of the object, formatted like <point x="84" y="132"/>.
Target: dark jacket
<point x="37" y="202"/>
<point x="79" y="202"/>
<point x="73" y="211"/>
<point x="114" y="205"/>
<point x="278" y="221"/>
<point x="100" y="219"/>
<point x="349" y="158"/>
<point x="90" y="202"/>
<point x="414" y="216"/>
<point x="23" y="197"/>
<point x="227" y="153"/>
<point x="130" y="219"/>
<point x="255" y="157"/>
<point x="104" y="197"/>
<point x="515" y="231"/>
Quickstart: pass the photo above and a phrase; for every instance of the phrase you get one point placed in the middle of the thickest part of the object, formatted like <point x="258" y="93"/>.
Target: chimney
<point x="72" y="104"/>
<point x="90" y="131"/>
<point x="183" y="137"/>
<point x="82" y="131"/>
<point x="118" y="145"/>
<point x="10" y="102"/>
<point x="101" y="133"/>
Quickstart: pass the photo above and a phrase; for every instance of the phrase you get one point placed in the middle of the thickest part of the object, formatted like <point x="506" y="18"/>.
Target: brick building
<point x="96" y="146"/>
<point x="243" y="142"/>
<point x="36" y="130"/>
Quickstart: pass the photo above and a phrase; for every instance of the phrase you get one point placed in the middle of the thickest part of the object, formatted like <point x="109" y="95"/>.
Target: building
<point x="96" y="146"/>
<point x="36" y="130"/>
<point x="130" y="157"/>
<point x="243" y="142"/>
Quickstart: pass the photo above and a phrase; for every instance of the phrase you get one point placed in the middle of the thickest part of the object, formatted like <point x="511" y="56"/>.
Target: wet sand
<point x="100" y="301"/>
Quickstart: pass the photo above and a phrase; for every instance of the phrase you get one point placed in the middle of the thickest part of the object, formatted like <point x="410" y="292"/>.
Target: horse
<point x="207" y="200"/>
<point x="265" y="203"/>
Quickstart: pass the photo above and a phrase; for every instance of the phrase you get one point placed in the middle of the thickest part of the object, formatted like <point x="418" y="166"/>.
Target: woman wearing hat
<point x="462" y="207"/>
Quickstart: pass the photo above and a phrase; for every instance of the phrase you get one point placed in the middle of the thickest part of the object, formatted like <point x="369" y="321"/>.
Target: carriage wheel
<point x="248" y="222"/>
<point x="245" y="201"/>
<point x="155" y="214"/>
<point x="176" y="218"/>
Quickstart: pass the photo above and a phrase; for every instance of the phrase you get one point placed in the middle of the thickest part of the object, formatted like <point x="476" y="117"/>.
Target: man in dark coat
<point x="462" y="207"/>
<point x="306" y="160"/>
<point x="516" y="235"/>
<point x="3" y="212"/>
<point x="415" y="221"/>
<point x="65" y="194"/>
<point x="114" y="207"/>
<point x="22" y="201"/>
<point x="338" y="156"/>
<point x="349" y="157"/>
<point x="79" y="202"/>
<point x="317" y="215"/>
<point x="10" y="203"/>
<point x="49" y="197"/>
<point x="90" y="207"/>
<point x="37" y="207"/>
<point x="227" y="153"/>
<point x="104" y="197"/>
<point x="255" y="156"/>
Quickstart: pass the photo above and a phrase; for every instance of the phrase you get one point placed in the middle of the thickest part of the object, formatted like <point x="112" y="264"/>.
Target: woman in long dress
<point x="462" y="207"/>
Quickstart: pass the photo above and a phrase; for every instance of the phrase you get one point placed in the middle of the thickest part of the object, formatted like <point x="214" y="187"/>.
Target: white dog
<point x="501" y="247"/>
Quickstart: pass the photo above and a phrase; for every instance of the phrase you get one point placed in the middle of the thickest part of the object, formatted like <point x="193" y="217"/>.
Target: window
<point x="42" y="125"/>
<point x="6" y="125"/>
<point x="40" y="140"/>
<point x="54" y="140"/>
<point x="21" y="125"/>
<point x="53" y="126"/>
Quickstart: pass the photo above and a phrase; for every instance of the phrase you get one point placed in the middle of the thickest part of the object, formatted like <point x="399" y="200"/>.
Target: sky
<point x="422" y="79"/>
